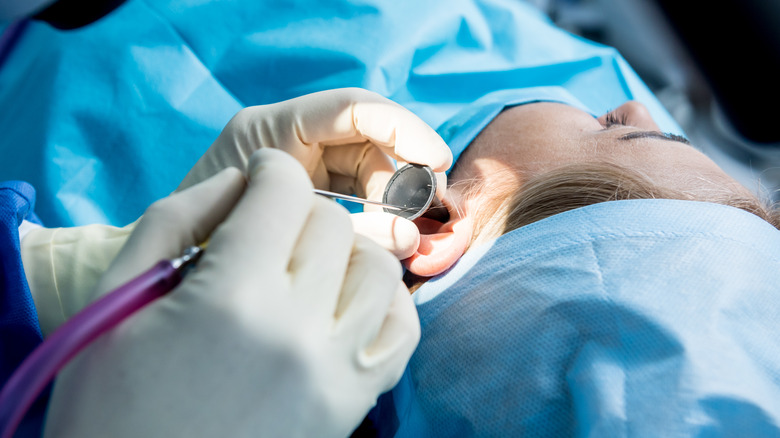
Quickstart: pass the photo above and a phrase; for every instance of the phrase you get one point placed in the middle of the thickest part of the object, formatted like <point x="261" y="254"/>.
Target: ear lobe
<point x="441" y="245"/>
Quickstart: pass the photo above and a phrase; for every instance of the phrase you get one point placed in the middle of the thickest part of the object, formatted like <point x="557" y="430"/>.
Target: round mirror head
<point x="414" y="188"/>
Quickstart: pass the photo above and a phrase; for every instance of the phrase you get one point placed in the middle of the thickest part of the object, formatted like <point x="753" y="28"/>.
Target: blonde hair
<point x="579" y="185"/>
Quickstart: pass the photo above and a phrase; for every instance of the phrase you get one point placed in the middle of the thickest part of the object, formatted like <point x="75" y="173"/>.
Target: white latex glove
<point x="345" y="139"/>
<point x="290" y="326"/>
<point x="63" y="265"/>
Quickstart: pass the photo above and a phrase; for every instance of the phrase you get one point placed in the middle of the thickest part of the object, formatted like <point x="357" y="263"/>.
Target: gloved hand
<point x="290" y="325"/>
<point x="342" y="137"/>
<point x="345" y="139"/>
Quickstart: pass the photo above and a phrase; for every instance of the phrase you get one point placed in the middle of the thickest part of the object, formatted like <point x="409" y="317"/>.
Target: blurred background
<point x="714" y="65"/>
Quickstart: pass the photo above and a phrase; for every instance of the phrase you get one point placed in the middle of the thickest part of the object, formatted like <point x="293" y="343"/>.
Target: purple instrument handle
<point x="40" y="367"/>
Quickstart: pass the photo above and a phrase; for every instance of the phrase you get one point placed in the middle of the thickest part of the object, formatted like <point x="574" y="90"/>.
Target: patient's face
<point x="530" y="139"/>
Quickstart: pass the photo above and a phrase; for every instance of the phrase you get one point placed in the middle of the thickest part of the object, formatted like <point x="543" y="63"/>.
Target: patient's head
<point x="536" y="160"/>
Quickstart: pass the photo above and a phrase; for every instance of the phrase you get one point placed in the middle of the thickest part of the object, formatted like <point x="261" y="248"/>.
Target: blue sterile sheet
<point x="639" y="318"/>
<point x="105" y="119"/>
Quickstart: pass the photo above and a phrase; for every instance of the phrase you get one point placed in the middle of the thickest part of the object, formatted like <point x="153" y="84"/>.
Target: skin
<point x="530" y="139"/>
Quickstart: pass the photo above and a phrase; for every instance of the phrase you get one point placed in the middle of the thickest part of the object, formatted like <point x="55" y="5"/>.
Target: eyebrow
<point x="656" y="134"/>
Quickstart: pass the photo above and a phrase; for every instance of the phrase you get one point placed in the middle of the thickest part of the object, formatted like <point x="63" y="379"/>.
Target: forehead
<point x="534" y="138"/>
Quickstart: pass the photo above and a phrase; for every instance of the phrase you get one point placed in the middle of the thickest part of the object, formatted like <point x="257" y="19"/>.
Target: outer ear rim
<point x="440" y="250"/>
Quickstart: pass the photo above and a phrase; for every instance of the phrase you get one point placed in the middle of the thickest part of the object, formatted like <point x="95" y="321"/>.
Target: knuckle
<point x="355" y="93"/>
<point x="240" y="125"/>
<point x="243" y="117"/>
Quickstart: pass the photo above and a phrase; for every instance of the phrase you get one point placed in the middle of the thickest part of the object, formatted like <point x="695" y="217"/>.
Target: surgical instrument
<point x="410" y="193"/>
<point x="359" y="200"/>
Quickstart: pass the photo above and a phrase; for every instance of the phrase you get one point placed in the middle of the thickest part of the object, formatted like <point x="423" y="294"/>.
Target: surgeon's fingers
<point x="366" y="170"/>
<point x="363" y="165"/>
<point x="401" y="134"/>
<point x="399" y="236"/>
<point x="391" y="349"/>
<point x="369" y="288"/>
<point x="171" y="224"/>
<point x="346" y="115"/>
<point x="321" y="257"/>
<point x="268" y="219"/>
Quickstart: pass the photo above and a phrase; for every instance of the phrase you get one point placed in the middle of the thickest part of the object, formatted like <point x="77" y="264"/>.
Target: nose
<point x="635" y="114"/>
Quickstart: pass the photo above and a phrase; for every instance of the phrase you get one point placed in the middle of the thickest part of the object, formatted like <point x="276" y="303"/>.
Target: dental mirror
<point x="414" y="188"/>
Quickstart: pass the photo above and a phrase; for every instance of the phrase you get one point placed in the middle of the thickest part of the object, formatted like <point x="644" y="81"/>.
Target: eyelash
<point x="612" y="119"/>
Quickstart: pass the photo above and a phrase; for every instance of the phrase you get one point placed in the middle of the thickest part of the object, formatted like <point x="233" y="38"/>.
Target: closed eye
<point x="614" y="119"/>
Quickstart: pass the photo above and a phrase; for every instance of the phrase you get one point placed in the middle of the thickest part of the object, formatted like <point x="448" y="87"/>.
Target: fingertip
<point x="407" y="237"/>
<point x="277" y="163"/>
<point x="394" y="233"/>
<point x="441" y="185"/>
<point x="421" y="144"/>
<point x="440" y="158"/>
<point x="402" y="134"/>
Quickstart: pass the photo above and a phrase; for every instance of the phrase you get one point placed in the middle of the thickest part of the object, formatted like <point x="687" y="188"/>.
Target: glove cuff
<point x="63" y="265"/>
<point x="39" y="270"/>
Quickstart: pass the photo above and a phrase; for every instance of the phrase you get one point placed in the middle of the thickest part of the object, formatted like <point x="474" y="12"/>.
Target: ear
<point x="441" y="245"/>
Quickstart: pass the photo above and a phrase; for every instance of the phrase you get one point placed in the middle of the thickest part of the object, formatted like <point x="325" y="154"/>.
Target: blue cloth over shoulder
<point x="626" y="318"/>
<point x="19" y="329"/>
<point x="108" y="118"/>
